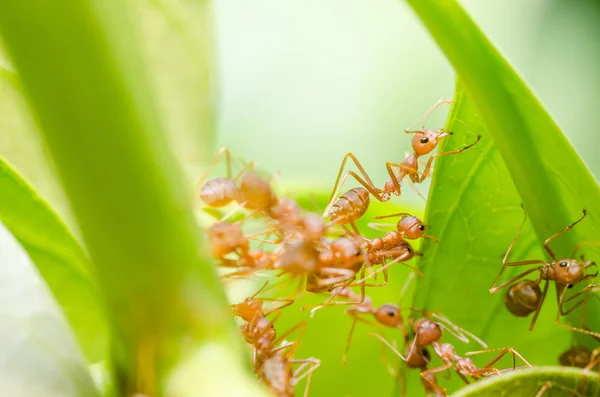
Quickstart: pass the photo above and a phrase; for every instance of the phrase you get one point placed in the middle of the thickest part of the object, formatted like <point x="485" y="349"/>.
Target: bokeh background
<point x="297" y="84"/>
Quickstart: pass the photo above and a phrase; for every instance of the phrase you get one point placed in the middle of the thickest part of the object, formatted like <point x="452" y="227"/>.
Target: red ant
<point x="428" y="332"/>
<point x="423" y="142"/>
<point x="272" y="356"/>
<point x="526" y="296"/>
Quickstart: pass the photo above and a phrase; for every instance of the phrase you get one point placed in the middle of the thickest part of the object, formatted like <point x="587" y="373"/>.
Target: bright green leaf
<point x="553" y="182"/>
<point x="564" y="382"/>
<point x="474" y="211"/>
<point x="85" y="81"/>
<point x="58" y="257"/>
<point x="38" y="354"/>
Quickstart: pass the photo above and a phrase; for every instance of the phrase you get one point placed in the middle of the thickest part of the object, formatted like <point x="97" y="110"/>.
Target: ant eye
<point x="391" y="313"/>
<point x="424" y="139"/>
<point x="564" y="264"/>
<point x="421" y="227"/>
<point x="408" y="249"/>
<point x="357" y="253"/>
<point x="570" y="286"/>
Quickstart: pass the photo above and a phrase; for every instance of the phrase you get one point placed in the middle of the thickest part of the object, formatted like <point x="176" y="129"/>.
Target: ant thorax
<point x="427" y="332"/>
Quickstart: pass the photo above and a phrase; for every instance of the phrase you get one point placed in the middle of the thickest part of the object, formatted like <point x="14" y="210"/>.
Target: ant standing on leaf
<point x="525" y="297"/>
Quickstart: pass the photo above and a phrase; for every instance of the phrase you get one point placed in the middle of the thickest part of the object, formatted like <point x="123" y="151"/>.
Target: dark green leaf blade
<point x="58" y="257"/>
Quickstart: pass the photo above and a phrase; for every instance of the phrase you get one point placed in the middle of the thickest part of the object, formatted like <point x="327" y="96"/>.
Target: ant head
<point x="412" y="227"/>
<point x="389" y="315"/>
<point x="523" y="298"/>
<point x="427" y="331"/>
<point x="348" y="251"/>
<point x="424" y="141"/>
<point x="577" y="356"/>
<point x="569" y="271"/>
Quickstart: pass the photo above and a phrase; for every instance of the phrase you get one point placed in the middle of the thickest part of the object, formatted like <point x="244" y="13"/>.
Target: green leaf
<point x="473" y="209"/>
<point x="528" y="382"/>
<point x="38" y="354"/>
<point x="85" y="81"/>
<point x="553" y="182"/>
<point x="58" y="257"/>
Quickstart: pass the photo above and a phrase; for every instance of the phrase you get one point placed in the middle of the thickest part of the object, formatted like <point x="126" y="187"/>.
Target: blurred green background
<point x="297" y="84"/>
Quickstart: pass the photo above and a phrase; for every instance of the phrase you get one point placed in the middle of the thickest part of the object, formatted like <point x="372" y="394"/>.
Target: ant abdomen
<point x="523" y="298"/>
<point x="416" y="357"/>
<point x="350" y="206"/>
<point x="578" y="356"/>
<point x="218" y="192"/>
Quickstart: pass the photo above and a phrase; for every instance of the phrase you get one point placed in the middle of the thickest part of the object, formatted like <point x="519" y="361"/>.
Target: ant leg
<point x="569" y="327"/>
<point x="414" y="189"/>
<point x="377" y="226"/>
<point x="539" y="308"/>
<point x="245" y="168"/>
<point x="435" y="386"/>
<point x="427" y="169"/>
<point x="312" y="364"/>
<point x="562" y="300"/>
<point x="223" y="151"/>
<point x="337" y="276"/>
<point x="355" y="318"/>
<point x="496" y="288"/>
<point x="301" y="326"/>
<point x="340" y="181"/>
<point x="384" y="268"/>
<point x="503" y="351"/>
<point x="393" y="215"/>
<point x="388" y="344"/>
<point x="566" y="229"/>
<point x="584" y="244"/>
<point x="425" y="116"/>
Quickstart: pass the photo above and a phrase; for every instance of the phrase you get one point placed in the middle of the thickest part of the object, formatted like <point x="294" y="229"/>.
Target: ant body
<point x="423" y="142"/>
<point x="272" y="359"/>
<point x="525" y="297"/>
